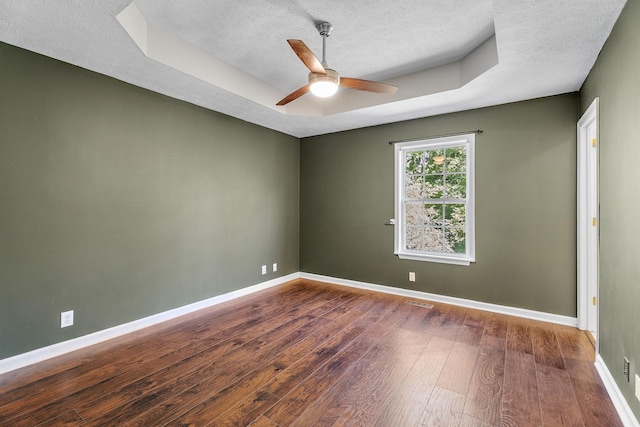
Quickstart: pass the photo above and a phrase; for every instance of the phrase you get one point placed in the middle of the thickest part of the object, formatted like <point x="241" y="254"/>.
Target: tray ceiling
<point x="512" y="51"/>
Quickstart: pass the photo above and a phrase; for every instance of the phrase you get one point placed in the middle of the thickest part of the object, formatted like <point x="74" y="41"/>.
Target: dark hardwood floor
<point x="312" y="354"/>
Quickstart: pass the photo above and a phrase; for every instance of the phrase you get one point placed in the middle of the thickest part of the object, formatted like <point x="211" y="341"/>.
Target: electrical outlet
<point x="66" y="319"/>
<point x="637" y="387"/>
<point x="412" y="276"/>
<point x="264" y="269"/>
<point x="625" y="368"/>
<point x="275" y="267"/>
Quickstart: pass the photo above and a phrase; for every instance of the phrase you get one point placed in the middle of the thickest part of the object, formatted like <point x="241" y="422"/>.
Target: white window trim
<point x="399" y="232"/>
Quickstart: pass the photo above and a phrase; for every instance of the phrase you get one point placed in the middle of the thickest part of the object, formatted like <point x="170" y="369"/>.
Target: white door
<point x="588" y="220"/>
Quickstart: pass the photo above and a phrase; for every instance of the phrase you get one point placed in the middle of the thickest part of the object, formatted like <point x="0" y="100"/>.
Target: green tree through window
<point x="433" y="199"/>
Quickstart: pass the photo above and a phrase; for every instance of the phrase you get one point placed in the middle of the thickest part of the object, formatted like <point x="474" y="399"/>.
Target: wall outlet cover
<point x="66" y="318"/>
<point x="264" y="269"/>
<point x="275" y="267"/>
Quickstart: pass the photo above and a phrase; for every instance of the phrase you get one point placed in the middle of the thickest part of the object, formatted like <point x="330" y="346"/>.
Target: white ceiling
<point x="544" y="47"/>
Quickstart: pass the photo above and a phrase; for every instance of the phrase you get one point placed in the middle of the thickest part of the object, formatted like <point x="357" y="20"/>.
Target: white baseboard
<point x="502" y="309"/>
<point x="621" y="405"/>
<point x="623" y="408"/>
<point x="54" y="350"/>
<point x="41" y="354"/>
<point x="44" y="353"/>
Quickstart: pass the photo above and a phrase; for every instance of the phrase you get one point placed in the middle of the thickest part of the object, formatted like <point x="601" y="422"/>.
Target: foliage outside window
<point x="434" y="200"/>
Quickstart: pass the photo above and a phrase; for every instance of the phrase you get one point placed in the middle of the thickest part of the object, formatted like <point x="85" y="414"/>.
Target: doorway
<point x="588" y="221"/>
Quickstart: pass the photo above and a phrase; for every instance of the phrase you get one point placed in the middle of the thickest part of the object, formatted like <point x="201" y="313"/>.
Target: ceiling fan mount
<point x="324" y="28"/>
<point x="324" y="84"/>
<point x="323" y="81"/>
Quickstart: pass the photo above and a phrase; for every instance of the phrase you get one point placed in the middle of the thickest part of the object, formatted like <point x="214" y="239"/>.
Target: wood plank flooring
<point x="312" y="354"/>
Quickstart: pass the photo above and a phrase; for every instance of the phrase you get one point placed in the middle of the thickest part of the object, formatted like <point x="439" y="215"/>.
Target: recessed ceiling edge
<point x="169" y="50"/>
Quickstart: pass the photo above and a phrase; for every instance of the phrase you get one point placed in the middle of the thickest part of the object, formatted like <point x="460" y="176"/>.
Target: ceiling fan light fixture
<point x="323" y="81"/>
<point x="324" y="85"/>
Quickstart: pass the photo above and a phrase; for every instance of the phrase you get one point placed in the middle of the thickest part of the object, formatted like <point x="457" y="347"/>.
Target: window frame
<point x="400" y="149"/>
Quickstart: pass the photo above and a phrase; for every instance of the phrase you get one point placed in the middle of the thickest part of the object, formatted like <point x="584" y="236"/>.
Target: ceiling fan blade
<point x="367" y="85"/>
<point x="306" y="56"/>
<point x="294" y="95"/>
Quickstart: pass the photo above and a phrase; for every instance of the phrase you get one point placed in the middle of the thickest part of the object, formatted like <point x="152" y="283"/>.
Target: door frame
<point x="588" y="220"/>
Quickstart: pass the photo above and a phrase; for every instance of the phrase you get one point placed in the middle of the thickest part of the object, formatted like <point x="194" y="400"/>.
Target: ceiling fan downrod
<point x="324" y="28"/>
<point x="323" y="81"/>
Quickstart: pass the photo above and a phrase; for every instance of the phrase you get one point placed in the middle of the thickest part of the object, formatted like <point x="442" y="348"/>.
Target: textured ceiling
<point x="252" y="35"/>
<point x="545" y="47"/>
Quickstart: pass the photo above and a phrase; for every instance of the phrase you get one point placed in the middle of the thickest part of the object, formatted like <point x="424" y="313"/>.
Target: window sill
<point x="435" y="258"/>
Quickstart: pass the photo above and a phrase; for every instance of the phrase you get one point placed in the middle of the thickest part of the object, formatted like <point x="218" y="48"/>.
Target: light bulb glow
<point x="324" y="89"/>
<point x="324" y="85"/>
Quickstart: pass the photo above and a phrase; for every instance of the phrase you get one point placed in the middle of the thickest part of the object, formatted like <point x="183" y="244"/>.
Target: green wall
<point x="119" y="203"/>
<point x="525" y="206"/>
<point x="615" y="80"/>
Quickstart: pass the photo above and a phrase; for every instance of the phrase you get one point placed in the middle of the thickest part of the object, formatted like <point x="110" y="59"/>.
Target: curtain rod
<point x="478" y="131"/>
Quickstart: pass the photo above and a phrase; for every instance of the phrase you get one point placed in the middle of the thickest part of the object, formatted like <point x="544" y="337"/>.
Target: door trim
<point x="587" y="229"/>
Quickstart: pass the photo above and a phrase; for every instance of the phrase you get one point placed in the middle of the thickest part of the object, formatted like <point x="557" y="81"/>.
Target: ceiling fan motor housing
<point x="323" y="81"/>
<point x="324" y="85"/>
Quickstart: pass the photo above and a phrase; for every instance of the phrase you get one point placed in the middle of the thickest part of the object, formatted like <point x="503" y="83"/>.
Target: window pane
<point x="456" y="186"/>
<point x="433" y="215"/>
<point x="436" y="161"/>
<point x="413" y="187"/>
<point x="455" y="240"/>
<point x="433" y="186"/>
<point x="433" y="239"/>
<point x="414" y="214"/>
<point x="416" y="162"/>
<point x="414" y="238"/>
<point x="455" y="215"/>
<point x="456" y="159"/>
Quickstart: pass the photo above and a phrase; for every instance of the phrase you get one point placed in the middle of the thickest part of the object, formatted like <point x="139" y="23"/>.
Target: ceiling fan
<point x="324" y="81"/>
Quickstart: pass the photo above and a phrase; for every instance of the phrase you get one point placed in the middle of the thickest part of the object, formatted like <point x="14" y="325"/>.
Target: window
<point x="434" y="208"/>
